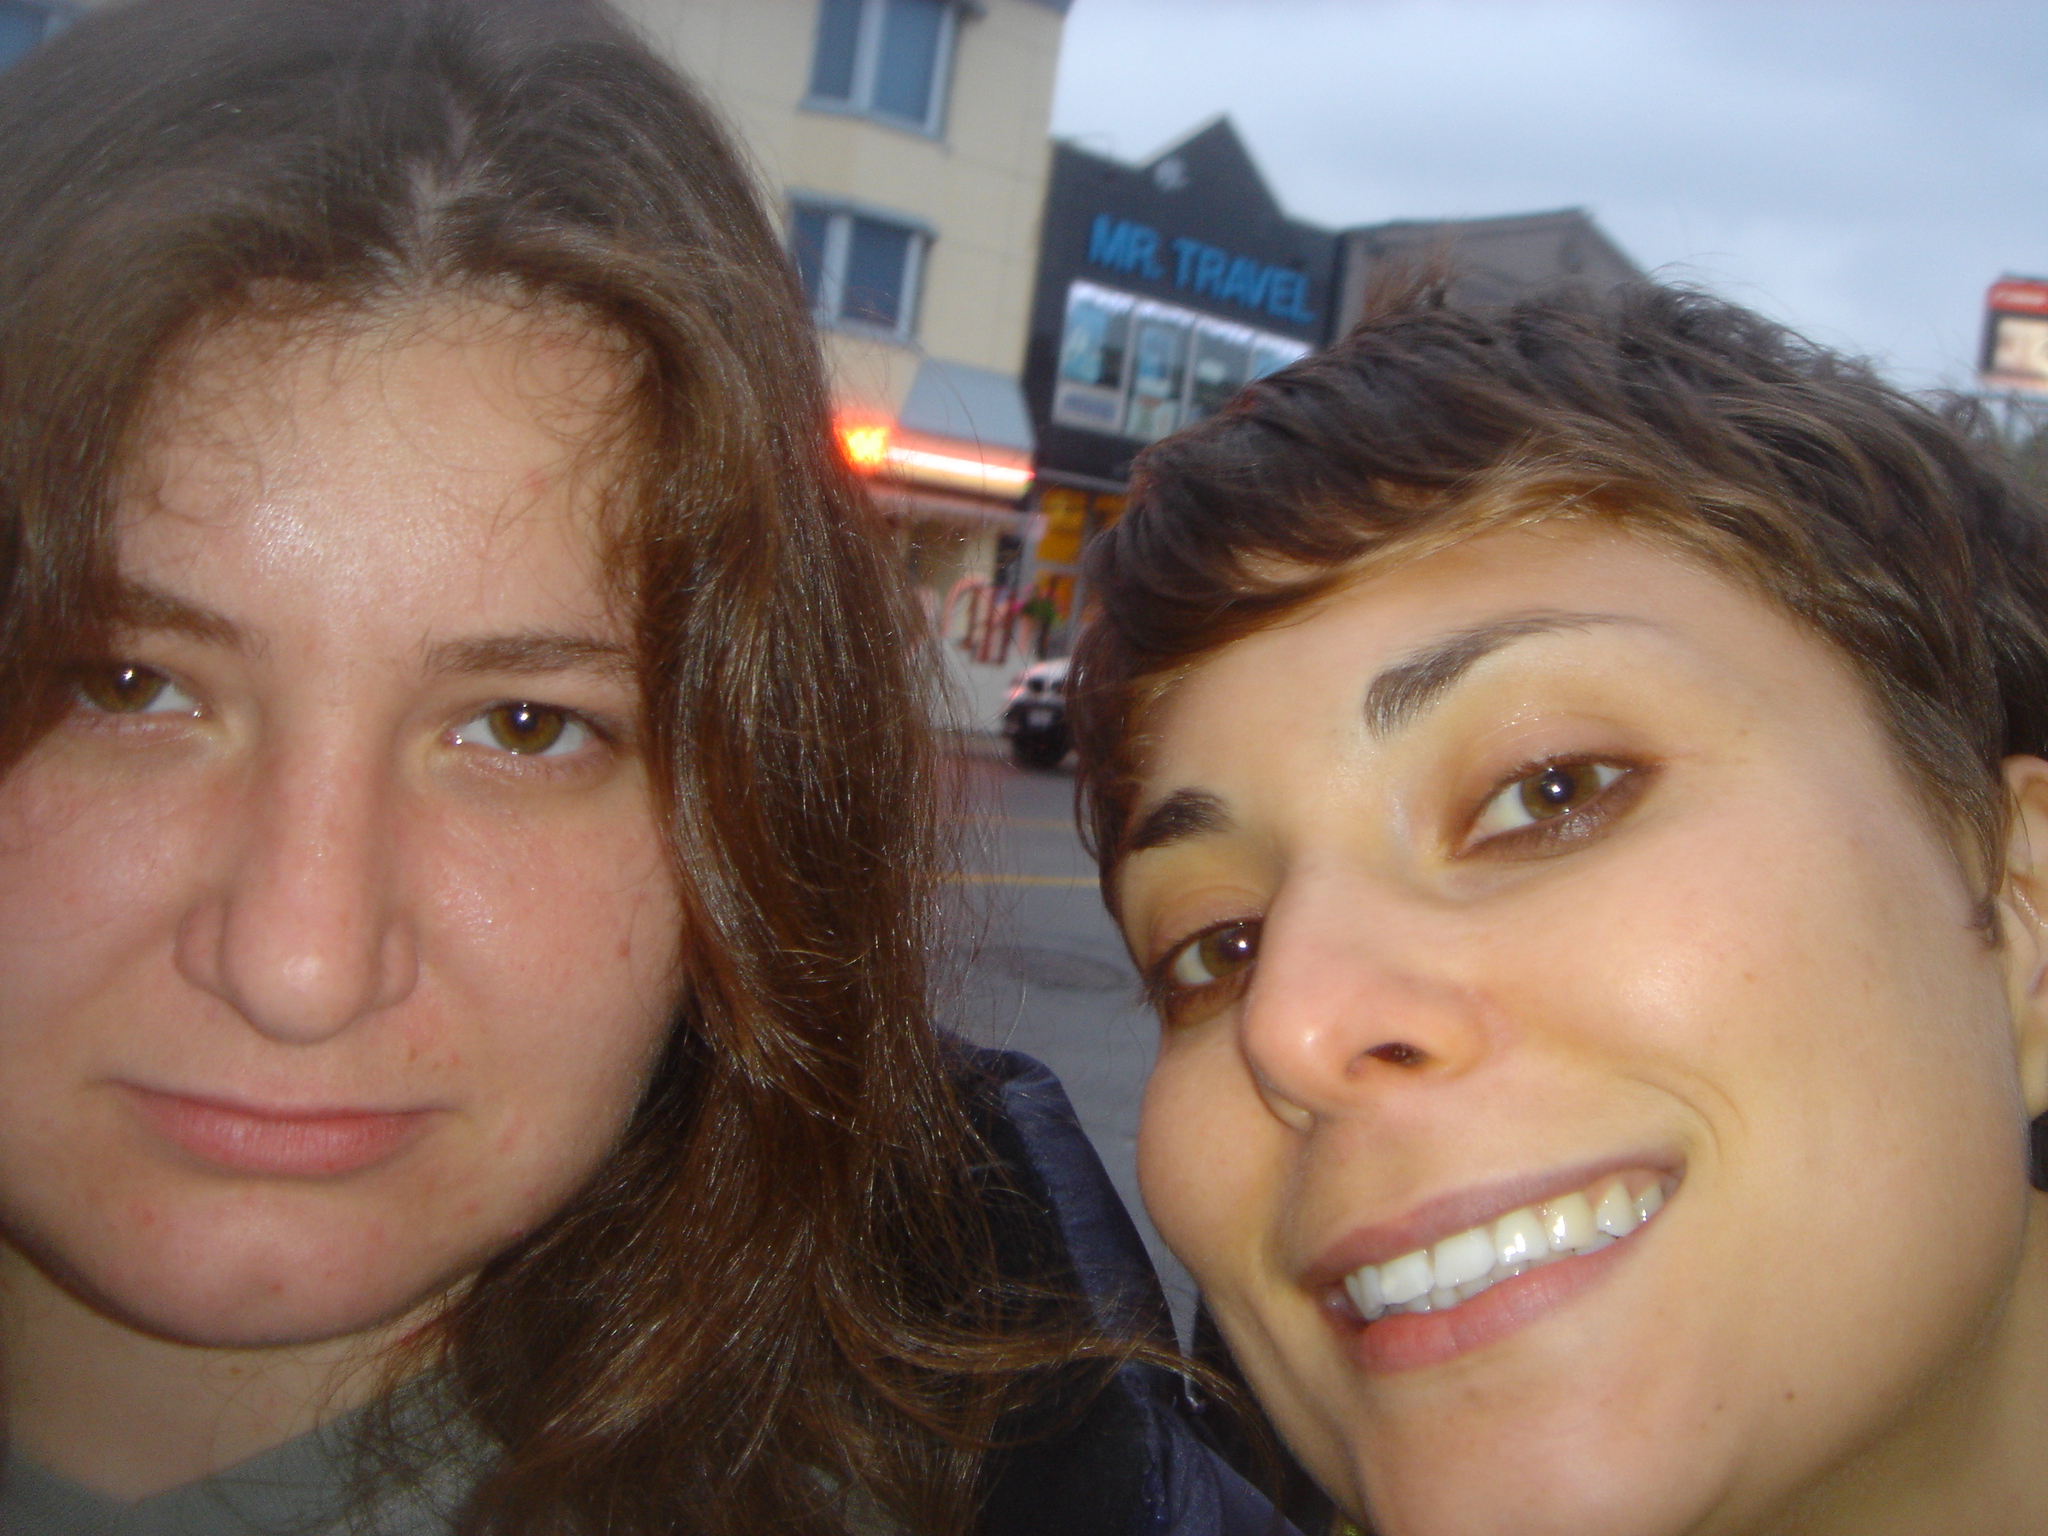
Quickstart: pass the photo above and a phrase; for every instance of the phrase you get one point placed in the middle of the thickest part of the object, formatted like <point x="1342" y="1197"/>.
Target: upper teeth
<point x="1463" y="1265"/>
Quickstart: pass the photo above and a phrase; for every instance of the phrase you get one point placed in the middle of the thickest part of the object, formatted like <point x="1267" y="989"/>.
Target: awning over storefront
<point x="911" y="503"/>
<point x="960" y="444"/>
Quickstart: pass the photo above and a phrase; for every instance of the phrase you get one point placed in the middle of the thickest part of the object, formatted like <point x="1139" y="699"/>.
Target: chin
<point x="1620" y="1487"/>
<point x="214" y="1285"/>
<point x="1578" y="1441"/>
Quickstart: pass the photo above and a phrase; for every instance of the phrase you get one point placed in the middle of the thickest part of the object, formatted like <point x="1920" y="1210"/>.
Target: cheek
<point x="1209" y="1162"/>
<point x="559" y="943"/>
<point x="1834" y="1037"/>
<point x="1846" y="979"/>
<point x="94" y="879"/>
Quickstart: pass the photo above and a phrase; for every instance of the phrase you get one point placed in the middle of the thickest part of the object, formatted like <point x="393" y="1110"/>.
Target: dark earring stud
<point x="2037" y="1165"/>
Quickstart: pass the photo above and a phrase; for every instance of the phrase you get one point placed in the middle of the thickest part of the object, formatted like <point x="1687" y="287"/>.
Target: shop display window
<point x="1133" y="367"/>
<point x="1158" y="377"/>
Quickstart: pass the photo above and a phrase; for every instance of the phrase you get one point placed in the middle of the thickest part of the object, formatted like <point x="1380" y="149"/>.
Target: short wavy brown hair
<point x="1888" y="525"/>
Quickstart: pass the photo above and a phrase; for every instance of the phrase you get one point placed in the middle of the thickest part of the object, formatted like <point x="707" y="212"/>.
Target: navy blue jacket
<point x="1134" y="1463"/>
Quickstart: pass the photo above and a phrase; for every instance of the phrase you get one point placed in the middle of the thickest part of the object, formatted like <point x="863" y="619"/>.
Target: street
<point x="1048" y="975"/>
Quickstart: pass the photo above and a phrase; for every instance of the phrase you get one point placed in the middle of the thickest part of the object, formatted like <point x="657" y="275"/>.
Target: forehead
<point x="1360" y="664"/>
<point x="446" y="457"/>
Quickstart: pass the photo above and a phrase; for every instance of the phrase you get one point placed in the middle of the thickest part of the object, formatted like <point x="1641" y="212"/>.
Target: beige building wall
<point x="979" y="185"/>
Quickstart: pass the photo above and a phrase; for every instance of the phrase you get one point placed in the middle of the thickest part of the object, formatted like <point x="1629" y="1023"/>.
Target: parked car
<point x="1035" y="717"/>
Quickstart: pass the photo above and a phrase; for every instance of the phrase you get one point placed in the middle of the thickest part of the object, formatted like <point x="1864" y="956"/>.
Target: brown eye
<point x="124" y="689"/>
<point x="1217" y="955"/>
<point x="526" y="729"/>
<point x="1545" y="795"/>
<point x="1563" y="788"/>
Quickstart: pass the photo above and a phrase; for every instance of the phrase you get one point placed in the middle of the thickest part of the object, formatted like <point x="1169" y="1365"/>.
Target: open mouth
<point x="1466" y="1264"/>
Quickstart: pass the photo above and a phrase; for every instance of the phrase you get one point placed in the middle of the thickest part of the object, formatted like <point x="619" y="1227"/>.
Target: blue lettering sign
<point x="1247" y="282"/>
<point x="1124" y="245"/>
<point x="1289" y="298"/>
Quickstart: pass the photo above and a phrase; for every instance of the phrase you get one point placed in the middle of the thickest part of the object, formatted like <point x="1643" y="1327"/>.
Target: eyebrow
<point x="1395" y="698"/>
<point x="1408" y="687"/>
<point x="139" y="606"/>
<point x="1181" y="815"/>
<point x="529" y="654"/>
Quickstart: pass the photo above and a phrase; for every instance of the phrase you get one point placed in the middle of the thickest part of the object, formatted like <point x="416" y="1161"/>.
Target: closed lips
<point x="245" y="1138"/>
<point x="1463" y="1265"/>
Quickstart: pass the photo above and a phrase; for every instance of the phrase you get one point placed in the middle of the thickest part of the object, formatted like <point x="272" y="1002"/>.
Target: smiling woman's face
<point x="336" y="931"/>
<point x="1558" y="912"/>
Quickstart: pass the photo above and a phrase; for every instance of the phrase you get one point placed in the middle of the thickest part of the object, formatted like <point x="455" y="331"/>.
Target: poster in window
<point x="1223" y="356"/>
<point x="1093" y="345"/>
<point x="1158" y="361"/>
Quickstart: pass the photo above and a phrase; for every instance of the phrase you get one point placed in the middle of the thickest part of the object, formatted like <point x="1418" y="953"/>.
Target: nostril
<point x="1396" y="1054"/>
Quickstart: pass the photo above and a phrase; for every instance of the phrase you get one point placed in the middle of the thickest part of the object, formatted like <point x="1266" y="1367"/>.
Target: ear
<point x="2023" y="922"/>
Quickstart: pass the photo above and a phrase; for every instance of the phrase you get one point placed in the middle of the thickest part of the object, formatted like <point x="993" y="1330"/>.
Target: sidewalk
<point x="979" y="690"/>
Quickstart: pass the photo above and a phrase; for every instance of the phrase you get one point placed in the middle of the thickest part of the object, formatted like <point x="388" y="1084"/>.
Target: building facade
<point x="1487" y="261"/>
<point x="1162" y="288"/>
<point x="905" y="143"/>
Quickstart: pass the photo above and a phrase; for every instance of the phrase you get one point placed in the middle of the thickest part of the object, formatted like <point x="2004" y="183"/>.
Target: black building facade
<point x="1162" y="288"/>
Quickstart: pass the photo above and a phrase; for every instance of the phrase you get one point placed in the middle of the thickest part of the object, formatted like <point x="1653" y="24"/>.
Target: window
<point x="884" y="58"/>
<point x="1131" y="367"/>
<point x="858" y="269"/>
<point x="22" y="26"/>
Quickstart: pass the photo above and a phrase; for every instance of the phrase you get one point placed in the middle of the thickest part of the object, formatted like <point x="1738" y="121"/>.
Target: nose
<point x="1352" y="1002"/>
<point x="302" y="931"/>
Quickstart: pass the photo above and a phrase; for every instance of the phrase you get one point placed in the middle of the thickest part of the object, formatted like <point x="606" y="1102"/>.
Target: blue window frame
<point x="858" y="269"/>
<point x="887" y="59"/>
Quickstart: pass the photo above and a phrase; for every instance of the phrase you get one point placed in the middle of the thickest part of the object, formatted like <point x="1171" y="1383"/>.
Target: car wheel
<point x="1039" y="749"/>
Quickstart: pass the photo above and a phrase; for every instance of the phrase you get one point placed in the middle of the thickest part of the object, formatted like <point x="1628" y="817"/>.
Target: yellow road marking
<point x="1044" y="823"/>
<point x="1072" y="881"/>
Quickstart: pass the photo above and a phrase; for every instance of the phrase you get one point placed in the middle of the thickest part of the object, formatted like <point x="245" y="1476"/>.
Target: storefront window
<point x="1270" y="354"/>
<point x="1223" y="356"/>
<point x="1132" y="367"/>
<point x="1159" y="352"/>
<point x="1094" y="350"/>
<point x="1098" y="334"/>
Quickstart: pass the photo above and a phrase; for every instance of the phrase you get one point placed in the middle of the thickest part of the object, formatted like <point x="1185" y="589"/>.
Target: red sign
<point x="2015" y="354"/>
<point x="2019" y="296"/>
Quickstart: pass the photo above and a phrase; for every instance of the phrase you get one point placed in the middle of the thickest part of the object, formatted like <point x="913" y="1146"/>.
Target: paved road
<point x="1048" y="975"/>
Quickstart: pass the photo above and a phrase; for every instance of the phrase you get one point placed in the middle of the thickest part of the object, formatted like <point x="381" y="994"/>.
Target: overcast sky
<point x="1860" y="168"/>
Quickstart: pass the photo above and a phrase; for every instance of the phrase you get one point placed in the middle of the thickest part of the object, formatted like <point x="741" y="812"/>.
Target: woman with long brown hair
<point x="467" y="842"/>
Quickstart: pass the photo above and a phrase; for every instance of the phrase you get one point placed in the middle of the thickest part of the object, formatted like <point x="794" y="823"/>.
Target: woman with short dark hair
<point x="1572" y="776"/>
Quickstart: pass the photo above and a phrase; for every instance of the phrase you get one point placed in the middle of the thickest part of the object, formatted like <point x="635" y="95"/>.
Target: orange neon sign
<point x="866" y="448"/>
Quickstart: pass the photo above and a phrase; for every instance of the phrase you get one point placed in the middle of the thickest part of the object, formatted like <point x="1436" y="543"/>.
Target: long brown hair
<point x="777" y="1302"/>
